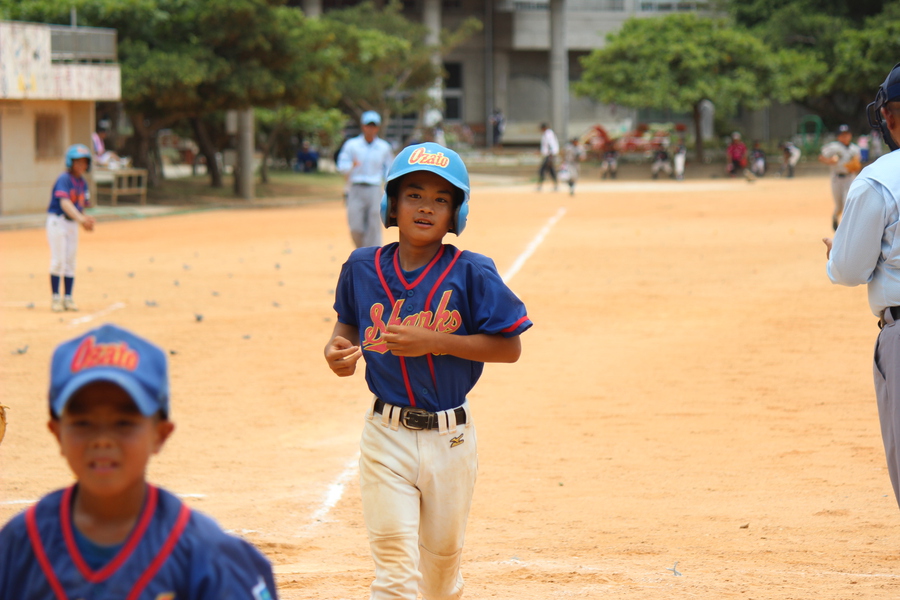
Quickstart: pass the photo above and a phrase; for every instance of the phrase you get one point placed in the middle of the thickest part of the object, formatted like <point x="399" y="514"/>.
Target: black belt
<point x="841" y="174"/>
<point x="895" y="312"/>
<point x="418" y="418"/>
<point x="365" y="184"/>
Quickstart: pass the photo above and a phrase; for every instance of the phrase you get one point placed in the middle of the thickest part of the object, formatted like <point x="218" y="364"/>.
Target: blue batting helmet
<point x="438" y="160"/>
<point x="75" y="152"/>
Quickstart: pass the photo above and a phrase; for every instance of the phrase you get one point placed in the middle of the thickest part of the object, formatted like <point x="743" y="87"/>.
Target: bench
<point x="121" y="182"/>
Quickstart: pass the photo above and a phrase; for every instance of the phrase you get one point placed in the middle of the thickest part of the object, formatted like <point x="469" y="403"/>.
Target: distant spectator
<point x="791" y="156"/>
<point x="498" y="125"/>
<point x="758" y="159"/>
<point x="106" y="158"/>
<point x="307" y="159"/>
<point x="736" y="155"/>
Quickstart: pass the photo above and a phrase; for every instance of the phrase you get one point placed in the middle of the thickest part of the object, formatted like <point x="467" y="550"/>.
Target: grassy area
<point x="282" y="186"/>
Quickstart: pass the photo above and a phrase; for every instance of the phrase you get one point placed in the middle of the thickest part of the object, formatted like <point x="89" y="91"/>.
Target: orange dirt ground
<point x="694" y="391"/>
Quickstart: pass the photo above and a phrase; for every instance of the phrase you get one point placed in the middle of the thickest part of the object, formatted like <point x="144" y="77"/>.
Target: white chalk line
<point x="538" y="239"/>
<point x="91" y="317"/>
<point x="336" y="490"/>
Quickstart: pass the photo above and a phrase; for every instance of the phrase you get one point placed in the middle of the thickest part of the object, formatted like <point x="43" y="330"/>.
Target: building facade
<point x="50" y="78"/>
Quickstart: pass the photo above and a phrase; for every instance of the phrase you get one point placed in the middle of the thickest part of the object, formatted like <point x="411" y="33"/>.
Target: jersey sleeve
<point x="14" y="550"/>
<point x="345" y="297"/>
<point x="225" y="567"/>
<point x="496" y="308"/>
<point x="62" y="189"/>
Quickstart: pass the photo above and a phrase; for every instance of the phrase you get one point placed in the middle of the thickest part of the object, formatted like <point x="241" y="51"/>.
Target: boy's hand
<point x="342" y="356"/>
<point x="828" y="244"/>
<point x="88" y="223"/>
<point x="409" y="340"/>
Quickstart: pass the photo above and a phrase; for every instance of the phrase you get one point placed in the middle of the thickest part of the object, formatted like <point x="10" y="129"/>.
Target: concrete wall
<point x="25" y="179"/>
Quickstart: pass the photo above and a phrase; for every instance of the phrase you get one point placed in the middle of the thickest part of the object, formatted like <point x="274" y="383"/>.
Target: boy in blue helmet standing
<point x="426" y="317"/>
<point x="68" y="201"/>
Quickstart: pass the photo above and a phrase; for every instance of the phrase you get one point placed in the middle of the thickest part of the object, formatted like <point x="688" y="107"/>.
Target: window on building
<point x="453" y="92"/>
<point x="48" y="142"/>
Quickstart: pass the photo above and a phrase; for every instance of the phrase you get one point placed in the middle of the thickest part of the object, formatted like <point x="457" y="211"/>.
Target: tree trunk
<point x="208" y="151"/>
<point x="698" y="132"/>
<point x="267" y="150"/>
<point x="141" y="158"/>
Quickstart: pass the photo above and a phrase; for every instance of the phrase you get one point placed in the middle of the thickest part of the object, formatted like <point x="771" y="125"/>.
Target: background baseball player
<point x="573" y="154"/>
<point x="549" y="150"/>
<point x="790" y="157"/>
<point x="842" y="155"/>
<point x="112" y="535"/>
<point x="866" y="250"/>
<point x="68" y="201"/>
<point x="426" y="317"/>
<point x="365" y="159"/>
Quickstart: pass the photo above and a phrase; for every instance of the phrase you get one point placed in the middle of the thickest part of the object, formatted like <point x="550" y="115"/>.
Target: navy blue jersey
<point x="71" y="188"/>
<point x="458" y="292"/>
<point x="173" y="553"/>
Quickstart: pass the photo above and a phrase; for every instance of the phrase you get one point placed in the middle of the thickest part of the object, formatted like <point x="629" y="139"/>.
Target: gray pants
<point x="886" y="370"/>
<point x="364" y="214"/>
<point x="839" y="188"/>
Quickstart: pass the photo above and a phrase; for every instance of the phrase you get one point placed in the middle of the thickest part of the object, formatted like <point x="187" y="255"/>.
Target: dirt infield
<point x="693" y="415"/>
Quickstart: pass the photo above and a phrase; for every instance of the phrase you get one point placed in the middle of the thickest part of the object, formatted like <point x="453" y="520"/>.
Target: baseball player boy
<point x="68" y="201"/>
<point x="365" y="159"/>
<point x="426" y="317"/>
<point x="112" y="535"/>
<point x="843" y="157"/>
<point x="549" y="150"/>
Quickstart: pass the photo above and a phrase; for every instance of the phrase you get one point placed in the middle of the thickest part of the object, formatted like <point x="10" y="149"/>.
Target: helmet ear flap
<point x="459" y="219"/>
<point x="390" y="191"/>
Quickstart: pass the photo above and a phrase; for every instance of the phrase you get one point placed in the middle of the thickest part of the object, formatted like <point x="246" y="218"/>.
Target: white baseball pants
<point x="416" y="492"/>
<point x="63" y="237"/>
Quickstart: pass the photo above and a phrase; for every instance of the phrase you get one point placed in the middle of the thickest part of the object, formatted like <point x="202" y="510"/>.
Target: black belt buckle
<point x="415" y="418"/>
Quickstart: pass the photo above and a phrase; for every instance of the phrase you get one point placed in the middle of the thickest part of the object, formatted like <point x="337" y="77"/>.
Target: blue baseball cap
<point x="370" y="117"/>
<point x="110" y="353"/>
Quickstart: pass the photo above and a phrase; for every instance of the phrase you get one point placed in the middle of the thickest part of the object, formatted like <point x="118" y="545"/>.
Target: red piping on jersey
<point x="515" y="325"/>
<point x="184" y="516"/>
<point x="387" y="290"/>
<point x="434" y="318"/>
<point x="428" y="299"/>
<point x="133" y="540"/>
<point x="38" y="547"/>
<point x="422" y="275"/>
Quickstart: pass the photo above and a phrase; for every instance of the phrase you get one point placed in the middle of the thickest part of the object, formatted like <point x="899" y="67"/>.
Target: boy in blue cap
<point x="112" y="535"/>
<point x="426" y="317"/>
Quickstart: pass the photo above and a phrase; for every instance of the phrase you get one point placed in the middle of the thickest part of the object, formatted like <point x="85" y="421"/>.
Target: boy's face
<point x="79" y="166"/>
<point x="106" y="440"/>
<point x="424" y="207"/>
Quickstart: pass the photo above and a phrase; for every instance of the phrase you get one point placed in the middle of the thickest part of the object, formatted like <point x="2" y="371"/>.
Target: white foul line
<point x="533" y="245"/>
<point x="336" y="490"/>
<point x="91" y="317"/>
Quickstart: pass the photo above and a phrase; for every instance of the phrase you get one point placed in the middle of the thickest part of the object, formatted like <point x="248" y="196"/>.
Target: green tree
<point x="186" y="59"/>
<point x="677" y="61"/>
<point x="849" y="46"/>
<point x="389" y="64"/>
<point x="322" y="125"/>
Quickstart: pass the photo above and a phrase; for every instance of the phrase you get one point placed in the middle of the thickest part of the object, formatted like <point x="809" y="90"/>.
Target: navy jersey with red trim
<point x="69" y="188"/>
<point x="458" y="292"/>
<point x="173" y="553"/>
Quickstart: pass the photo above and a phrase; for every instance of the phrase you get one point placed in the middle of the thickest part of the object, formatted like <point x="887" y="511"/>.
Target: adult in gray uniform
<point x="365" y="159"/>
<point x="866" y="249"/>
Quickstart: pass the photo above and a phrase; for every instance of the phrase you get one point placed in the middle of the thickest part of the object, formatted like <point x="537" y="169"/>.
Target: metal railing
<point x="82" y="44"/>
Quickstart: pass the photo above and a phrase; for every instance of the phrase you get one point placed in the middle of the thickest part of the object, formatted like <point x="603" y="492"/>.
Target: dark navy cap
<point x="110" y="353"/>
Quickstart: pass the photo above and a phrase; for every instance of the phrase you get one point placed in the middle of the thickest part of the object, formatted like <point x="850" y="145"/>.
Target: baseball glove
<point x="2" y="421"/>
<point x="853" y="165"/>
